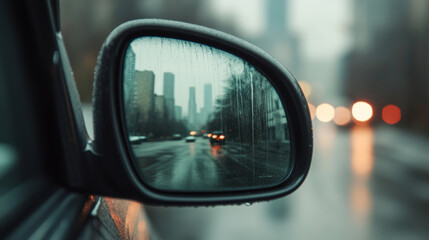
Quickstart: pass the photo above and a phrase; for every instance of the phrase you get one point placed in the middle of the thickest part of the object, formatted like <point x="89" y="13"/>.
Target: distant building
<point x="208" y="102"/>
<point x="199" y="117"/>
<point x="192" y="108"/>
<point x="178" y="113"/>
<point x="160" y="105"/>
<point x="169" y="94"/>
<point x="276" y="116"/>
<point x="168" y="85"/>
<point x="389" y="61"/>
<point x="276" y="16"/>
<point x="144" y="95"/>
<point x="278" y="38"/>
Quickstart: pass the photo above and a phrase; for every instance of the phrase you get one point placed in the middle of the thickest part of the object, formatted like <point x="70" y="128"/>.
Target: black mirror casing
<point x="110" y="169"/>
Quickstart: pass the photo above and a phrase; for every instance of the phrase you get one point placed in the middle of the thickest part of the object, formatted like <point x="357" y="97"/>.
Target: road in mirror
<point x="201" y="119"/>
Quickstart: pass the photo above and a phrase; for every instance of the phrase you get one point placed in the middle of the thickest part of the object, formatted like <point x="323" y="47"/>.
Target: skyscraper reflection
<point x="192" y="108"/>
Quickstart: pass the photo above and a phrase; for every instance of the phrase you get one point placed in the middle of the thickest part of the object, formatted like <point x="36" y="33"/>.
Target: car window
<point x="19" y="159"/>
<point x="8" y="154"/>
<point x="22" y="160"/>
<point x="10" y="105"/>
<point x="11" y="173"/>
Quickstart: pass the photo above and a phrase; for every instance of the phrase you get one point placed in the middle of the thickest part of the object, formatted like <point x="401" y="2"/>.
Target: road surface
<point x="193" y="166"/>
<point x="364" y="183"/>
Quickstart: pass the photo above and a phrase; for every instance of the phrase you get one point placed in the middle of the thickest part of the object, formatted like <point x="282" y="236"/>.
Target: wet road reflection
<point x="362" y="152"/>
<point x="215" y="150"/>
<point x="362" y="160"/>
<point x="198" y="166"/>
<point x="364" y="183"/>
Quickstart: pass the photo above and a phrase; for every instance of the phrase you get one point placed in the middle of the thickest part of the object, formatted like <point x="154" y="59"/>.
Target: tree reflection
<point x="250" y="111"/>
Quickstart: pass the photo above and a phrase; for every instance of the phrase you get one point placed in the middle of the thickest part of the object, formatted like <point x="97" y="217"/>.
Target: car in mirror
<point x="245" y="122"/>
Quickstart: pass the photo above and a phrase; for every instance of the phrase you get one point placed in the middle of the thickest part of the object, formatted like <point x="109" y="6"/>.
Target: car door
<point x="33" y="138"/>
<point x="42" y="133"/>
<point x="50" y="167"/>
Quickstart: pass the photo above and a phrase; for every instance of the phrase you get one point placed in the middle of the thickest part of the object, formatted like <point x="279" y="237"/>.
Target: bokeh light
<point x="391" y="114"/>
<point x="325" y="112"/>
<point x="305" y="87"/>
<point x="342" y="116"/>
<point x="312" y="110"/>
<point x="362" y="111"/>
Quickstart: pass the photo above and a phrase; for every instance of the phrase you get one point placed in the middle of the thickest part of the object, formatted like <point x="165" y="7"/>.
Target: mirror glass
<point x="201" y="119"/>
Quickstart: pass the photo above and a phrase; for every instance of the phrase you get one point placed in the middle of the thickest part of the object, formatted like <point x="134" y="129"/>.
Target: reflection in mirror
<point x="201" y="119"/>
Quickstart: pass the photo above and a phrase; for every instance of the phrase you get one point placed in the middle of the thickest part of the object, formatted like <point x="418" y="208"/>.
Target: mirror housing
<point x="110" y="169"/>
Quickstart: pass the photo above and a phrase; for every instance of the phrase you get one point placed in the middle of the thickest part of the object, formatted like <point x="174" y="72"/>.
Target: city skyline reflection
<point x="204" y="90"/>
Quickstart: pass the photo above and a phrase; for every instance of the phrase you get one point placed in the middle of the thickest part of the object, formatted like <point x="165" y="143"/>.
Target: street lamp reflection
<point x="362" y="143"/>
<point x="342" y="116"/>
<point x="391" y="114"/>
<point x="362" y="161"/>
<point x="325" y="112"/>
<point x="312" y="110"/>
<point x="306" y="88"/>
<point x="361" y="203"/>
<point x="362" y="111"/>
<point x="142" y="227"/>
<point x="129" y="214"/>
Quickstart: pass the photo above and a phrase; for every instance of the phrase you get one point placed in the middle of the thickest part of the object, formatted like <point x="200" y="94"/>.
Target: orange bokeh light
<point x="342" y="116"/>
<point x="305" y="87"/>
<point x="362" y="111"/>
<point x="325" y="112"/>
<point x="391" y="114"/>
<point x="312" y="110"/>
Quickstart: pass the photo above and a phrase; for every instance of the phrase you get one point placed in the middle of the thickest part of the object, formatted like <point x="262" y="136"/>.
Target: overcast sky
<point x="192" y="64"/>
<point x="322" y="25"/>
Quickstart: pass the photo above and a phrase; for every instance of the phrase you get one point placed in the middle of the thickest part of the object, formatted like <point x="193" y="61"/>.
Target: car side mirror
<point x="186" y="115"/>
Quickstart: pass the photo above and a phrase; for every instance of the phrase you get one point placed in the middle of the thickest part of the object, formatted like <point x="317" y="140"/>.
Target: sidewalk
<point x="399" y="145"/>
<point x="402" y="160"/>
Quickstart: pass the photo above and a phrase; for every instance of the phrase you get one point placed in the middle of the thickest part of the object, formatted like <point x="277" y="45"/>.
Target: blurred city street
<point x="364" y="183"/>
<point x="199" y="103"/>
<point x="363" y="67"/>
<point x="191" y="166"/>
